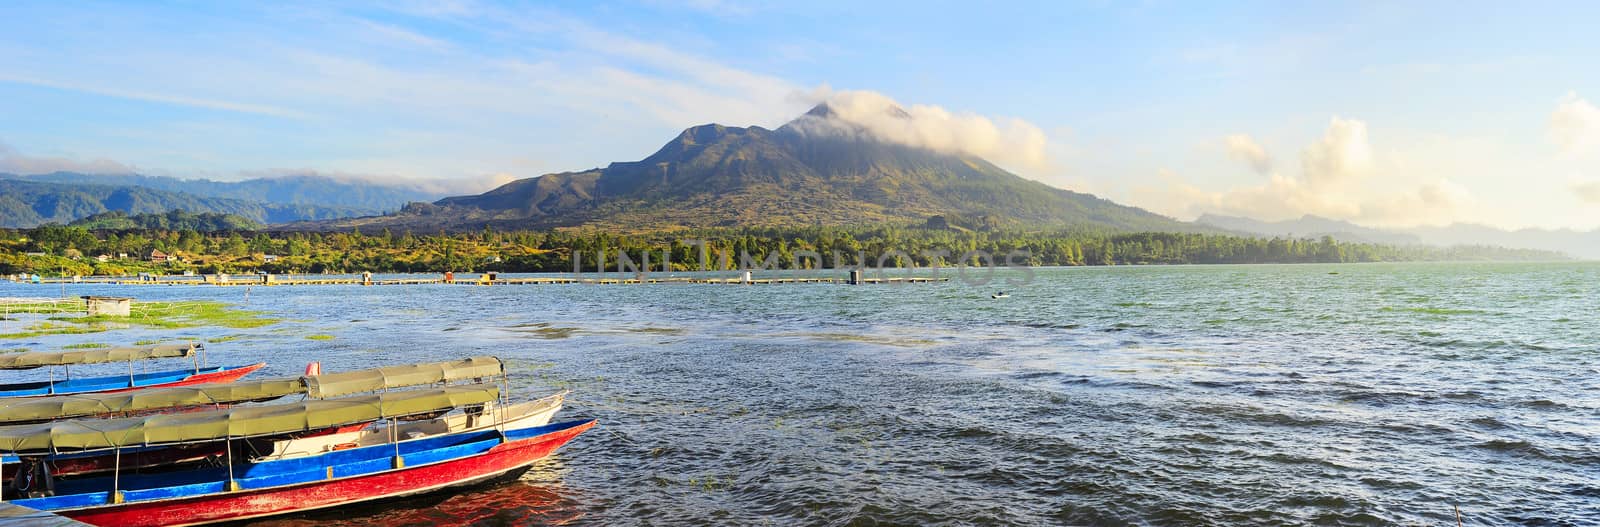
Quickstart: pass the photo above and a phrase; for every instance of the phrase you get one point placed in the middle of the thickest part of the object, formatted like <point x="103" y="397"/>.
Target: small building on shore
<point x="114" y="306"/>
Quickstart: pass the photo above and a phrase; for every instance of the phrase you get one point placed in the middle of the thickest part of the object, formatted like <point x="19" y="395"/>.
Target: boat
<point x="517" y="415"/>
<point x="23" y="410"/>
<point x="198" y="374"/>
<point x="88" y="435"/>
<point x="1001" y="294"/>
<point x="188" y="398"/>
<point x="258" y="488"/>
<point x="39" y="409"/>
<point x="297" y="485"/>
<point x="296" y="444"/>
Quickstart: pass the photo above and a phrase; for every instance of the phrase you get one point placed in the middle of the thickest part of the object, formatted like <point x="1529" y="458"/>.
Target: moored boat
<point x="295" y="485"/>
<point x="235" y="491"/>
<point x="516" y="415"/>
<point x="197" y="374"/>
<point x="23" y="410"/>
<point x="296" y="443"/>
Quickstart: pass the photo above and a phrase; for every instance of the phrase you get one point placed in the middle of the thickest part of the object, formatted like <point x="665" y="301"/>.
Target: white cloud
<point x="1342" y="155"/>
<point x="398" y="35"/>
<point x="1436" y="202"/>
<point x="1009" y="142"/>
<point x="1243" y="148"/>
<point x="1587" y="191"/>
<point x="14" y="162"/>
<point x="488" y="106"/>
<point x="196" y="102"/>
<point x="482" y="108"/>
<point x="720" y="8"/>
<point x="1575" y="125"/>
<point x="473" y="184"/>
<point x="1335" y="182"/>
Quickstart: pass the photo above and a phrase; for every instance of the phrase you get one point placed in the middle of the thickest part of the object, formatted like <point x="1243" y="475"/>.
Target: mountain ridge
<point x="291" y="189"/>
<point x="1581" y="244"/>
<point x="816" y="169"/>
<point x="1309" y="226"/>
<point x="30" y="203"/>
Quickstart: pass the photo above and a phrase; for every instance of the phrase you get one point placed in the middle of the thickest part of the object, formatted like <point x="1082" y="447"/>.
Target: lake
<point x="1198" y="395"/>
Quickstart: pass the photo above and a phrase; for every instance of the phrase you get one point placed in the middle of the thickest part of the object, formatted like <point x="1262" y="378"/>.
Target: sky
<point x="1386" y="114"/>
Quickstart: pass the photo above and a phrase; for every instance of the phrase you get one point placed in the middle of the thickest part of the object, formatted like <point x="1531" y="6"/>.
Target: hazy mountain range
<point x="1309" y="227"/>
<point x="64" y="197"/>
<point x="286" y="189"/>
<point x="1580" y="244"/>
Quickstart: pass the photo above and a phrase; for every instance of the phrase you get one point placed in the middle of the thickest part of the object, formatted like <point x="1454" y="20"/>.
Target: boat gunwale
<point x="152" y="352"/>
<point x="576" y="427"/>
<point x="170" y="378"/>
<point x="463" y="388"/>
<point x="305" y="382"/>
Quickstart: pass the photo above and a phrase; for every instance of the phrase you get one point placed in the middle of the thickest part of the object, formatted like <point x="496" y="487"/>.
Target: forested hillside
<point x="70" y="249"/>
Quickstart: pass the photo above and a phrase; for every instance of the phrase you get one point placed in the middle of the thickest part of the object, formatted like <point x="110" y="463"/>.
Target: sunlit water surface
<point x="1219" y="395"/>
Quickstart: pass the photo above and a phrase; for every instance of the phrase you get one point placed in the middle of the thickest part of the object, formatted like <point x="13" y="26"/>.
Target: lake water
<point x="1211" y="395"/>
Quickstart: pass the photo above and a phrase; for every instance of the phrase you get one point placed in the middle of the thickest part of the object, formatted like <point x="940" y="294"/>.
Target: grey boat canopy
<point x="36" y="359"/>
<point x="236" y="422"/>
<point x="17" y="410"/>
<point x="336" y="384"/>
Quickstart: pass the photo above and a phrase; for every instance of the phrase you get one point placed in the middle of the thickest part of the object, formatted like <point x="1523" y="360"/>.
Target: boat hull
<point x="226" y="374"/>
<point x="528" y="414"/>
<point x="499" y="461"/>
<point x="122" y="383"/>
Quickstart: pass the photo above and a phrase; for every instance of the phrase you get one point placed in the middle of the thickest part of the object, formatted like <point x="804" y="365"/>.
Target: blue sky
<point x="1417" y="113"/>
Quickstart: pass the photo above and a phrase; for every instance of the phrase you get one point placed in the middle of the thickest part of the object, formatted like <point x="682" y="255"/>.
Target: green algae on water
<point x="65" y="318"/>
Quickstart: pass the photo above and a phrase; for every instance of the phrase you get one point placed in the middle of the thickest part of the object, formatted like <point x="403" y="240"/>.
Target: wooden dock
<point x="19" y="516"/>
<point x="274" y="281"/>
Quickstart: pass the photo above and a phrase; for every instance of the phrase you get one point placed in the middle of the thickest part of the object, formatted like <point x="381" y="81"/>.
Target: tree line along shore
<point x="54" y="250"/>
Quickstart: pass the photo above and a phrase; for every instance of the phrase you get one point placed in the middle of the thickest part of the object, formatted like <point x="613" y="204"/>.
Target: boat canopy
<point x="33" y="409"/>
<point x="34" y="359"/>
<point x="313" y="414"/>
<point x="344" y="383"/>
<point x="16" y="410"/>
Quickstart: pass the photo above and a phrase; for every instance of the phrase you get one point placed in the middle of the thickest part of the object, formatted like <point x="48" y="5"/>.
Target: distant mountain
<point x="365" y="197"/>
<point x="170" y="220"/>
<point x="817" y="169"/>
<point x="1309" y="227"/>
<point x="1579" y="244"/>
<point x="28" y="203"/>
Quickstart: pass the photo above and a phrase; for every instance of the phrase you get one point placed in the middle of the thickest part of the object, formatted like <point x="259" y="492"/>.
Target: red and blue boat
<point x="253" y="489"/>
<point x="29" y="410"/>
<point x="133" y="380"/>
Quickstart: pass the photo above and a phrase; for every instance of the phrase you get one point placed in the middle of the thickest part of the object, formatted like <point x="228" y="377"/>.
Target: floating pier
<point x="485" y="280"/>
<point x="19" y="516"/>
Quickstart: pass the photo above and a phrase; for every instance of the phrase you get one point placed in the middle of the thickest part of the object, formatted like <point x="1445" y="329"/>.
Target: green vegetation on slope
<point x="29" y="203"/>
<point x="173" y="220"/>
<point x="371" y="197"/>
<point x="53" y="249"/>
